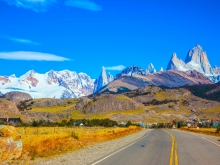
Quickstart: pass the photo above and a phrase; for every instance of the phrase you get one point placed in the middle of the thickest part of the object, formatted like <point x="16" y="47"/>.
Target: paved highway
<point x="166" y="147"/>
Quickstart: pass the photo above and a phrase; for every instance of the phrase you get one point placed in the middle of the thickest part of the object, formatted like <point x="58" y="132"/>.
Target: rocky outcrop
<point x="106" y="103"/>
<point x="16" y="97"/>
<point x="10" y="143"/>
<point x="102" y="80"/>
<point x="150" y="69"/>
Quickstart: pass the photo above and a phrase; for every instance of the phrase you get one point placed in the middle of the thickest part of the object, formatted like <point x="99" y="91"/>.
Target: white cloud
<point x="23" y="41"/>
<point x="84" y="4"/>
<point x="36" y="5"/>
<point x="31" y="56"/>
<point x="119" y="67"/>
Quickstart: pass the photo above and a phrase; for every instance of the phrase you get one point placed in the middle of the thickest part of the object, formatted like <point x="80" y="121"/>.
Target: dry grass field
<point x="207" y="131"/>
<point x="53" y="141"/>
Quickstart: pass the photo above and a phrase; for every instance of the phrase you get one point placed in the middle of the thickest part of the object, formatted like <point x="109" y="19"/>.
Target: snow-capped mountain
<point x="196" y="59"/>
<point x="150" y="69"/>
<point x="129" y="71"/>
<point x="52" y="84"/>
<point x="102" y="80"/>
<point x="161" y="69"/>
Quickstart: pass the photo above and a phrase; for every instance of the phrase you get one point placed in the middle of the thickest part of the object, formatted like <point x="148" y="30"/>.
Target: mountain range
<point x="196" y="69"/>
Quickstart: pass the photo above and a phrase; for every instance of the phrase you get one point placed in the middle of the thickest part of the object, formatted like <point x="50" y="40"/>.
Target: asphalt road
<point x="155" y="149"/>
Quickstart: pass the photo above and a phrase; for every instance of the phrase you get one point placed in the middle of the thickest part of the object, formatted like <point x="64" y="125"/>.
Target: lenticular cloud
<point x="31" y="56"/>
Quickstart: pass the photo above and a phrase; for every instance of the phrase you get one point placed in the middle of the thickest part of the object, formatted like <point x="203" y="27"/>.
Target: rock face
<point x="175" y="63"/>
<point x="102" y="80"/>
<point x="10" y="143"/>
<point x="150" y="69"/>
<point x="106" y="103"/>
<point x="52" y="84"/>
<point x="196" y="59"/>
<point x="216" y="70"/>
<point x="16" y="97"/>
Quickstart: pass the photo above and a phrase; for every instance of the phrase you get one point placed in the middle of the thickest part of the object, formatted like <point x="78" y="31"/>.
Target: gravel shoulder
<point x="90" y="154"/>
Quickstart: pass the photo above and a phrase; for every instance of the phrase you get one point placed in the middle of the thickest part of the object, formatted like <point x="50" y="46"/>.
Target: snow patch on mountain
<point x="52" y="84"/>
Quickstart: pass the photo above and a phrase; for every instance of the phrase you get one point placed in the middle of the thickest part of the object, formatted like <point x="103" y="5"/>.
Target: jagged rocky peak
<point x="110" y="77"/>
<point x="103" y="76"/>
<point x="194" y="54"/>
<point x="150" y="69"/>
<point x="198" y="58"/>
<point x="129" y="71"/>
<point x="161" y="69"/>
<point x="102" y="80"/>
<point x="175" y="63"/>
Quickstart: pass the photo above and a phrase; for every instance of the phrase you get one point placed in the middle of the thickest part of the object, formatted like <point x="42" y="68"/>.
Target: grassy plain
<point x="52" y="141"/>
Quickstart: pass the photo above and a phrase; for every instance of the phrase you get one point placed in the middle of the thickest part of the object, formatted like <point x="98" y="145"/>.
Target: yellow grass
<point x="207" y="131"/>
<point x="50" y="141"/>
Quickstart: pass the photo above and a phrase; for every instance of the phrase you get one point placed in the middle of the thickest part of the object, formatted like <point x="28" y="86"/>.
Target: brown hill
<point x="149" y="104"/>
<point x="168" y="78"/>
<point x="16" y="96"/>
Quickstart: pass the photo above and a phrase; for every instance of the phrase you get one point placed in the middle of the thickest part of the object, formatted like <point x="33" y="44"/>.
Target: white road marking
<point x="201" y="137"/>
<point x="211" y="141"/>
<point x="120" y="149"/>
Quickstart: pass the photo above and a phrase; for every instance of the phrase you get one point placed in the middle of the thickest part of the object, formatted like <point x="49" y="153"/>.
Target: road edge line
<point x="120" y="149"/>
<point x="196" y="134"/>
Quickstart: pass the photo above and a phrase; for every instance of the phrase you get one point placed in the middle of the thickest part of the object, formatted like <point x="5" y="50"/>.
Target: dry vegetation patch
<point x="51" y="141"/>
<point x="207" y="131"/>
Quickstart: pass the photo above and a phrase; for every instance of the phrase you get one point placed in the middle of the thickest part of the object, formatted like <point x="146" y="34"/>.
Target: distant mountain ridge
<point x="195" y="69"/>
<point x="52" y="84"/>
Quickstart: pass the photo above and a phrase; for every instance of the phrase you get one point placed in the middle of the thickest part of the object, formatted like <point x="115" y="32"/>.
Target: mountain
<point x="102" y="80"/>
<point x="196" y="59"/>
<point x="150" y="69"/>
<point x="130" y="71"/>
<point x="161" y="69"/>
<point x="52" y="84"/>
<point x="169" y="79"/>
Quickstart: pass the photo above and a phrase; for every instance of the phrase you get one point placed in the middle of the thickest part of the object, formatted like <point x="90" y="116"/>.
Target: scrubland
<point x="53" y="141"/>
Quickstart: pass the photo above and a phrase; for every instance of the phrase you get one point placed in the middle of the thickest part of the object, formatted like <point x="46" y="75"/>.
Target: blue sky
<point x="84" y="35"/>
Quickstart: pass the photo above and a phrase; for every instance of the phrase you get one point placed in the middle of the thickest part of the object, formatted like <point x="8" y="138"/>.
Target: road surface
<point x="166" y="147"/>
